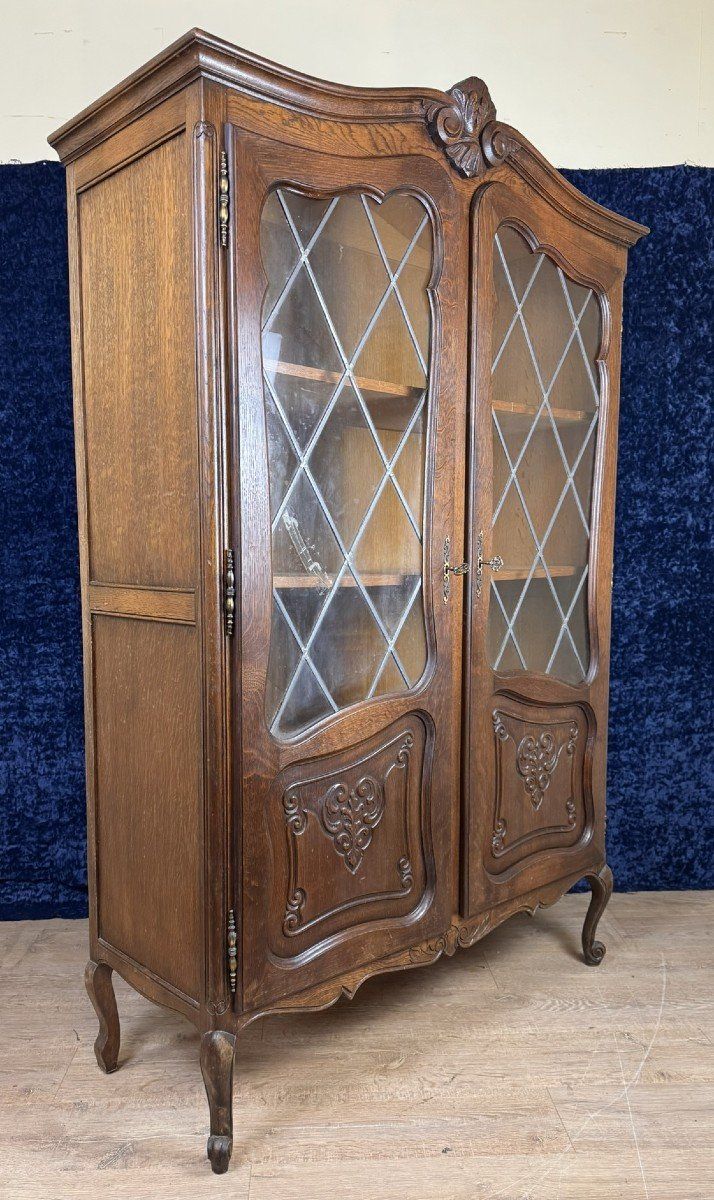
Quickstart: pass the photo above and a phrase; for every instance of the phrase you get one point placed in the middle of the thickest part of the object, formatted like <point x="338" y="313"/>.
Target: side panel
<point x="132" y="270"/>
<point x="138" y="358"/>
<point x="146" y="678"/>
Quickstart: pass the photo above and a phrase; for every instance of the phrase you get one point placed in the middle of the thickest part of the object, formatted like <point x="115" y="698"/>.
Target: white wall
<point x="593" y="83"/>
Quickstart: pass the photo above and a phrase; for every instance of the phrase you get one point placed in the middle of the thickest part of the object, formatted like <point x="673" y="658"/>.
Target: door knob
<point x="495" y="563"/>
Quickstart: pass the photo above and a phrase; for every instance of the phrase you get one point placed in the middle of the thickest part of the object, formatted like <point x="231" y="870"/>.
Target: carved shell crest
<point x="465" y="128"/>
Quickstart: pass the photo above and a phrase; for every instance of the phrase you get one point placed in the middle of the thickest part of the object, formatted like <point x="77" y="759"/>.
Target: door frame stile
<point x="204" y="118"/>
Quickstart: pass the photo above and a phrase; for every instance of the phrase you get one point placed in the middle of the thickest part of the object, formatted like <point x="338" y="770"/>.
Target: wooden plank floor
<point x="510" y="1072"/>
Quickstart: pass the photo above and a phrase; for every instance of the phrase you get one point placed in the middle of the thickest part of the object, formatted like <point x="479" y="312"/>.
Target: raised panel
<point x="350" y="838"/>
<point x="542" y="788"/>
<point x="138" y="361"/>
<point x="148" y="795"/>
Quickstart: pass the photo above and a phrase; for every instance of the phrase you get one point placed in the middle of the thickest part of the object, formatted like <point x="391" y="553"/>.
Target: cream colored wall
<point x="593" y="84"/>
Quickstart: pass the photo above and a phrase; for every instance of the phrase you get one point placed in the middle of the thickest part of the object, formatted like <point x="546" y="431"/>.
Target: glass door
<point x="346" y="340"/>
<point x="545" y="406"/>
<point x="543" y="369"/>
<point x="348" y="720"/>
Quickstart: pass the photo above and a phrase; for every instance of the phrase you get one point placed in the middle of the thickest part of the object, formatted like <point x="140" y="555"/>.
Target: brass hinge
<point x="232" y="950"/>
<point x="223" y="198"/>
<point x="229" y="592"/>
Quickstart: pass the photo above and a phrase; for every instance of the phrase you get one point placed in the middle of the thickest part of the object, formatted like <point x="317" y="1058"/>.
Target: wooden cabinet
<point x="346" y="386"/>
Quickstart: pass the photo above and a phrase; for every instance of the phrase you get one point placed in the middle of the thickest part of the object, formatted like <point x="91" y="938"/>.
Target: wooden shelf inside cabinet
<point x="369" y="579"/>
<point x="524" y="413"/>
<point x="398" y="400"/>
<point x="557" y="572"/>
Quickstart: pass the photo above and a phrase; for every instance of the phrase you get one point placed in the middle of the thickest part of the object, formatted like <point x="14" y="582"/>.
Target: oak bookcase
<point x="346" y="395"/>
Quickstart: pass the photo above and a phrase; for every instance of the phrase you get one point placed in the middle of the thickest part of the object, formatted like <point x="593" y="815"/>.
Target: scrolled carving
<point x="466" y="128"/>
<point x="349" y="816"/>
<point x="498" y="727"/>
<point x="498" y="837"/>
<point x="496" y="144"/>
<point x="402" y="759"/>
<point x="404" y="868"/>
<point x="293" y="911"/>
<point x="295" y="816"/>
<point x="536" y="759"/>
<point x="572" y="739"/>
<point x="456" y="937"/>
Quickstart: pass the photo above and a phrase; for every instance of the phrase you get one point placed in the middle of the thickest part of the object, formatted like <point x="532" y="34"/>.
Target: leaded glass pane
<point x="346" y="342"/>
<point x="545" y="408"/>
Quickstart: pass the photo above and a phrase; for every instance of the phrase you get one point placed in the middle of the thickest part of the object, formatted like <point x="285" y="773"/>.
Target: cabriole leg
<point x="217" y="1051"/>
<point x="601" y="887"/>
<point x="98" y="981"/>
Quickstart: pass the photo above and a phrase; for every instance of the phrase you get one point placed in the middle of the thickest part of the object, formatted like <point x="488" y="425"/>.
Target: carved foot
<point x="217" y="1051"/>
<point x="601" y="886"/>
<point x="219" y="1152"/>
<point x="98" y="981"/>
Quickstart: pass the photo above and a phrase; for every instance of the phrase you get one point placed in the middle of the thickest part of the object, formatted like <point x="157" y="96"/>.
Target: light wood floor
<point x="510" y="1072"/>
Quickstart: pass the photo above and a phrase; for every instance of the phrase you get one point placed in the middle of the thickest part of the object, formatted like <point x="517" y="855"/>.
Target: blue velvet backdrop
<point x="660" y="761"/>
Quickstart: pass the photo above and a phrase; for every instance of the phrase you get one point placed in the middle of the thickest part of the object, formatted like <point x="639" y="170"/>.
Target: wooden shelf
<point x="395" y="579"/>
<point x="556" y="572"/>
<point x="370" y="579"/>
<point x="371" y="389"/>
<point x="570" y="416"/>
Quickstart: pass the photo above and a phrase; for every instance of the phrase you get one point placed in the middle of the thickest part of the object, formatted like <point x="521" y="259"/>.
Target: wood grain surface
<point x="496" y="1075"/>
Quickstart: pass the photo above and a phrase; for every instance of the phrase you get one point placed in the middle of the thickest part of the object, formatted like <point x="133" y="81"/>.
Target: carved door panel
<point x="547" y="302"/>
<point x="343" y="281"/>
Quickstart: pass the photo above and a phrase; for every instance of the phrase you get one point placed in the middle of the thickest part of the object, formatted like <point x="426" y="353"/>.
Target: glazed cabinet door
<point x="345" y="685"/>
<point x="546" y="317"/>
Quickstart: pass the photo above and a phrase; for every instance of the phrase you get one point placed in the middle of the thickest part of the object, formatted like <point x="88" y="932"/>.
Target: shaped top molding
<point x="461" y="122"/>
<point x="198" y="54"/>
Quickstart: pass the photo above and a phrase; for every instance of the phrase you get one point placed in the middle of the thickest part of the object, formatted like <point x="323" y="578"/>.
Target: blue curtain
<point x="660" y="748"/>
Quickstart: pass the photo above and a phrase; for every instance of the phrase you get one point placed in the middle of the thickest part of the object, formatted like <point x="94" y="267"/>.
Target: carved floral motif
<point x="537" y="758"/>
<point x="466" y="128"/>
<point x="349" y="816"/>
<point x="456" y="937"/>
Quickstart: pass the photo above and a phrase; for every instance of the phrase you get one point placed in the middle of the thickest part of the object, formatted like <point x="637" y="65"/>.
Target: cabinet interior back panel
<point x="139" y="371"/>
<point x="148" y="780"/>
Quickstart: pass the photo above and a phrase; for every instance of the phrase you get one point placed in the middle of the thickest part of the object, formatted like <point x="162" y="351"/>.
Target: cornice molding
<point x="462" y="122"/>
<point x="200" y="55"/>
